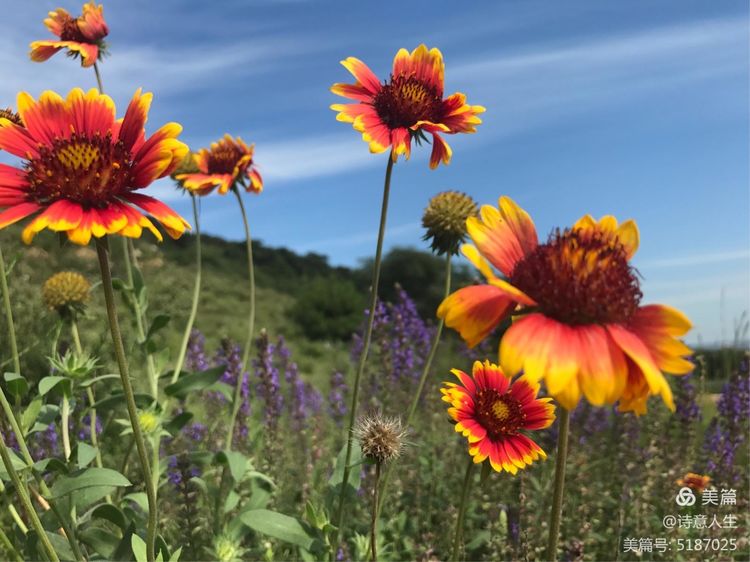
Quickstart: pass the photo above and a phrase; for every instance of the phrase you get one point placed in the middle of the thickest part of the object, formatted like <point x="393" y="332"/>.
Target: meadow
<point x="193" y="398"/>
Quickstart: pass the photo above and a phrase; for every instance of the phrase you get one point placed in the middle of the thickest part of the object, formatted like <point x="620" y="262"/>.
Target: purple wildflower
<point x="727" y="431"/>
<point x="337" y="397"/>
<point x="84" y="433"/>
<point x="195" y="356"/>
<point x="268" y="386"/>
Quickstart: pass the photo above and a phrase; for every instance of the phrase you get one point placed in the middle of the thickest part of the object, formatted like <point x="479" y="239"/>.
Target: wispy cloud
<point x="311" y="157"/>
<point x="358" y="238"/>
<point x="695" y="259"/>
<point x="546" y="82"/>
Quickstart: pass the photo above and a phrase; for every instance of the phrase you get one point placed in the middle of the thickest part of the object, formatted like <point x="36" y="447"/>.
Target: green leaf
<point x="51" y="465"/>
<point x="143" y="401"/>
<point x="224" y="389"/>
<point x="61" y="546"/>
<point x="16" y="384"/>
<point x="89" y="382"/>
<point x="140" y="499"/>
<point x="112" y="514"/>
<point x="175" y="557"/>
<point x="278" y="526"/>
<point x="28" y="418"/>
<point x="48" y="383"/>
<point x="87" y="478"/>
<point x="237" y="463"/>
<point x="193" y="382"/>
<point x="85" y="454"/>
<point x="17" y="463"/>
<point x="174" y="425"/>
<point x="139" y="548"/>
<point x="159" y="322"/>
<point x="101" y="540"/>
<point x="338" y="472"/>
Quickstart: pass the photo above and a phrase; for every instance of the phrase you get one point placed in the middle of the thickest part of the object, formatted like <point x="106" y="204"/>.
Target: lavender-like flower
<point x="229" y="355"/>
<point x="337" y="396"/>
<point x="268" y="387"/>
<point x="195" y="357"/>
<point x="728" y="430"/>
<point x="84" y="433"/>
<point x="401" y="343"/>
<point x="687" y="409"/>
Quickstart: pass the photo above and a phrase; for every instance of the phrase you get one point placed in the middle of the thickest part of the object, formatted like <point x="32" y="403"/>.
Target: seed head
<point x="187" y="166"/>
<point x="380" y="438"/>
<point x="66" y="291"/>
<point x="445" y="220"/>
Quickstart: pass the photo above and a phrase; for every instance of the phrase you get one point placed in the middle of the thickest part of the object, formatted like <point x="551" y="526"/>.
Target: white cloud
<point x="696" y="259"/>
<point x="536" y="85"/>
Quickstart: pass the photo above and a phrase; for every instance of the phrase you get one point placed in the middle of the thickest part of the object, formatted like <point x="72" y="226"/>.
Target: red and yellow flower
<point x="582" y="327"/>
<point x="83" y="169"/>
<point x="492" y="412"/>
<point x="407" y="106"/>
<point x="697" y="482"/>
<point x="82" y="36"/>
<point x="225" y="165"/>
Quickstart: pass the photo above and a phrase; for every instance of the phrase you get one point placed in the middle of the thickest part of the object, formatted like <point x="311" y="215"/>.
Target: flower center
<point x="87" y="170"/>
<point x="405" y="101"/>
<point x="71" y="31"/>
<point x="224" y="158"/>
<point x="580" y="277"/>
<point x="499" y="414"/>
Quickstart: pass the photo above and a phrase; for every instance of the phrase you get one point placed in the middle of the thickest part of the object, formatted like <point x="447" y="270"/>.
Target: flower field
<point x="501" y="393"/>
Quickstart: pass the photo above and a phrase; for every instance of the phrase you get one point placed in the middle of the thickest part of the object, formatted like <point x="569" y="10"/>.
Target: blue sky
<point x="637" y="109"/>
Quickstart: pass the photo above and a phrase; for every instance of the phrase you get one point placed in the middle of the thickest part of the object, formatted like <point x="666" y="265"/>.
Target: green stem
<point x="196" y="293"/>
<point x="64" y="417"/>
<point x="374" y="523"/>
<point x="23" y="495"/>
<point x="109" y="297"/>
<point x="9" y="316"/>
<point x="459" y="532"/>
<point x="21" y="440"/>
<point x="131" y="264"/>
<point x="98" y="78"/>
<point x="9" y="548"/>
<point x="237" y="399"/>
<point x="365" y="349"/>
<point x="561" y="457"/>
<point x="422" y="381"/>
<point x="76" y="336"/>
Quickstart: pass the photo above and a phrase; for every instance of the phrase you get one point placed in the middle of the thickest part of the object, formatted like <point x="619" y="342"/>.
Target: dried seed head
<point x="66" y="291"/>
<point x="445" y="220"/>
<point x="380" y="438"/>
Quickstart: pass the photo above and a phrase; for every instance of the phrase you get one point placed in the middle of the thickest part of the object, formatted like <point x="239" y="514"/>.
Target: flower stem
<point x="20" y="439"/>
<point x="23" y="495"/>
<point x="89" y="395"/>
<point x="237" y="399"/>
<point x="196" y="293"/>
<point x="9" y="316"/>
<point x="98" y="78"/>
<point x="64" y="417"/>
<point x="366" y="347"/>
<point x="422" y="381"/>
<point x="374" y="523"/>
<point x="9" y="548"/>
<point x="109" y="297"/>
<point x="557" y="498"/>
<point x="459" y="532"/>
